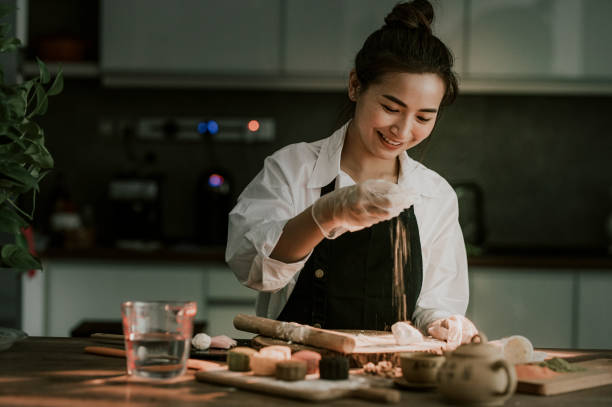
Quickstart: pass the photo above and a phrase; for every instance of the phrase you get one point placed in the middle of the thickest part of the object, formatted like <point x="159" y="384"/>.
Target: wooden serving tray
<point x="310" y="389"/>
<point x="598" y="373"/>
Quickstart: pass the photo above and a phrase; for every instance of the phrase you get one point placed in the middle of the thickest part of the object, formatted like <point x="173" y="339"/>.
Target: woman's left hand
<point x="455" y="330"/>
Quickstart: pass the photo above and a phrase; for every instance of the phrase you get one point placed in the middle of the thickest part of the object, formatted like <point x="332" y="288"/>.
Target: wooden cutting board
<point x="372" y="346"/>
<point x="598" y="373"/>
<point x="310" y="389"/>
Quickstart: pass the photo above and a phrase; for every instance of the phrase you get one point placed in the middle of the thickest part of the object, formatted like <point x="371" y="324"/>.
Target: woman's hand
<point x="455" y="330"/>
<point x="358" y="206"/>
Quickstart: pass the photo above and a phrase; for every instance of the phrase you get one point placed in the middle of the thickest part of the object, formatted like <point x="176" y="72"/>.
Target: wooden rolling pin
<point x="291" y="331"/>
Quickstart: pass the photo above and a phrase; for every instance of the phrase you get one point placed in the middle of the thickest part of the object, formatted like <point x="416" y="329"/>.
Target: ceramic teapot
<point x="476" y="374"/>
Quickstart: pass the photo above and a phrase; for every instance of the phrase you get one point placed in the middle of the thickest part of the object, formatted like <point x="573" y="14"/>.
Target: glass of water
<point x="157" y="337"/>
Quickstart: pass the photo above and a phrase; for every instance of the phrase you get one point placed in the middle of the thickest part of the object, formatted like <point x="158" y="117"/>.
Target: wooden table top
<point x="49" y="372"/>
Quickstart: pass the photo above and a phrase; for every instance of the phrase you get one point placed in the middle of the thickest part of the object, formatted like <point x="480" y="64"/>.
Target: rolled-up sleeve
<point x="445" y="289"/>
<point x="255" y="225"/>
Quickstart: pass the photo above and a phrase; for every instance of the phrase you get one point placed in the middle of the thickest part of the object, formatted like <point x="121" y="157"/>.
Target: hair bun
<point x="415" y="15"/>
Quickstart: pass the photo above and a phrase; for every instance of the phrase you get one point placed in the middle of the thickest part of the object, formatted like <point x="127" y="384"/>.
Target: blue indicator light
<point x="202" y="127"/>
<point x="213" y="127"/>
<point x="215" y="180"/>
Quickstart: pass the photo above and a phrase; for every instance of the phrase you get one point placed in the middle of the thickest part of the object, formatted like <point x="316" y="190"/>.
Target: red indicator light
<point x="253" y="125"/>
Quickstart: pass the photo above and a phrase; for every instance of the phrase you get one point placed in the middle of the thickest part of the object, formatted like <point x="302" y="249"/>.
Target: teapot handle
<point x="502" y="364"/>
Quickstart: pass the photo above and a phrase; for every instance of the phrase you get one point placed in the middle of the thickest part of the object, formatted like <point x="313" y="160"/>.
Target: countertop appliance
<point x="135" y="203"/>
<point x="471" y="212"/>
<point x="214" y="201"/>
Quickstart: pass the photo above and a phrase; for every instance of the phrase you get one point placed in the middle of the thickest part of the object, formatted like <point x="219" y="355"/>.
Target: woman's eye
<point x="423" y="119"/>
<point x="388" y="109"/>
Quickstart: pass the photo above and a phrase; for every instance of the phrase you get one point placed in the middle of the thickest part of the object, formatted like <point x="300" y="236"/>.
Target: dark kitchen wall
<point x="543" y="162"/>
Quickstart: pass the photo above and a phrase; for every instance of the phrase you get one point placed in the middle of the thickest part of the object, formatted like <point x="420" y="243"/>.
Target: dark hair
<point x="406" y="44"/>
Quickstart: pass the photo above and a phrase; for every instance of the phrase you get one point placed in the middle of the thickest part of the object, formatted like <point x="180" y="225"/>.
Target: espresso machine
<point x="214" y="201"/>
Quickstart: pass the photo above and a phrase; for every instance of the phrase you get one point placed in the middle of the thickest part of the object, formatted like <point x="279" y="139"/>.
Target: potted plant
<point x="24" y="159"/>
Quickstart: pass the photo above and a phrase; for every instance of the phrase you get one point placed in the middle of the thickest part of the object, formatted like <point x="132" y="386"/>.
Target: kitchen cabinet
<point x="191" y="36"/>
<point x="70" y="291"/>
<point x="534" y="303"/>
<point x="500" y="46"/>
<point x="594" y="327"/>
<point x="552" y="307"/>
<point x="532" y="39"/>
<point x="323" y="37"/>
<point x="225" y="298"/>
<point x="73" y="291"/>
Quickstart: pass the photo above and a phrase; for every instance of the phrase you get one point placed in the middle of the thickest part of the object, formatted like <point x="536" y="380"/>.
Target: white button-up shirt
<point x="291" y="180"/>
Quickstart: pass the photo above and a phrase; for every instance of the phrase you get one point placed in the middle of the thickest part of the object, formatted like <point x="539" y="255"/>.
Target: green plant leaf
<point x="41" y="101"/>
<point x="32" y="131"/>
<point x="43" y="71"/>
<point x="58" y="84"/>
<point x="21" y="240"/>
<point x="15" y="172"/>
<point x="42" y="157"/>
<point x="10" y="221"/>
<point x="14" y="147"/>
<point x="19" y="258"/>
<point x="10" y="44"/>
<point x="16" y="104"/>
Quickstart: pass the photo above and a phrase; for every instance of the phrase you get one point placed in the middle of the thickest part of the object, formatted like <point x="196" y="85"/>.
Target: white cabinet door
<point x="78" y="291"/>
<point x="561" y="39"/>
<point x="595" y="305"/>
<point x="595" y="39"/>
<point x="225" y="298"/>
<point x="534" y="303"/>
<point x="324" y="36"/>
<point x="449" y="26"/>
<point x="191" y="36"/>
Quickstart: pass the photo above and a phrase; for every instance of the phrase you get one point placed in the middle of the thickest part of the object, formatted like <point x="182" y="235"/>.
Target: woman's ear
<point x="353" y="86"/>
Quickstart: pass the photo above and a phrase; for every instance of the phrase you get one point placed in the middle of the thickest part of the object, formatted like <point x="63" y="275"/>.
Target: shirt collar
<point x="327" y="167"/>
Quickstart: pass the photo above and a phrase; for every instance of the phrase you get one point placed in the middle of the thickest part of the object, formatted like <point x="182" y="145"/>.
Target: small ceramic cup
<point x="420" y="367"/>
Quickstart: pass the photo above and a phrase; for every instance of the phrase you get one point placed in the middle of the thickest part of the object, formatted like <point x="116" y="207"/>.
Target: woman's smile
<point x="388" y="142"/>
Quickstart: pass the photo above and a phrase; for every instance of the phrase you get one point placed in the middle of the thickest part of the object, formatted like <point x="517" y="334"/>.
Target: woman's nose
<point x="403" y="129"/>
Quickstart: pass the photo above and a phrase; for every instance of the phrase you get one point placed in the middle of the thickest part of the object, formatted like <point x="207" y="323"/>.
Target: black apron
<point x="347" y="282"/>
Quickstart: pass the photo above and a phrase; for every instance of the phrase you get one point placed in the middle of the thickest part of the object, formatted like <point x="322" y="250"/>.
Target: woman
<point x="311" y="231"/>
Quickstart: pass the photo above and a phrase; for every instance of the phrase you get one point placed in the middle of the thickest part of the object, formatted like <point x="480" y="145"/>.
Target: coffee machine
<point x="214" y="201"/>
<point x="135" y="203"/>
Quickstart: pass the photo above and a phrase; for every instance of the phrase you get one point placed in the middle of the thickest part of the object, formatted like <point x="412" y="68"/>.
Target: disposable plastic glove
<point x="359" y="206"/>
<point x="455" y="330"/>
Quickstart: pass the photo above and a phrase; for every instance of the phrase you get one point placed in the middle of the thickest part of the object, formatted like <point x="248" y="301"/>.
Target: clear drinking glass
<point x="157" y="337"/>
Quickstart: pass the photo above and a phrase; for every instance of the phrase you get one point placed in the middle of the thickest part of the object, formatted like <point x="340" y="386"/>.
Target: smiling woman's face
<point x="395" y="114"/>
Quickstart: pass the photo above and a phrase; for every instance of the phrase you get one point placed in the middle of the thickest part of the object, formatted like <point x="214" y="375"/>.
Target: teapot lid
<point x="478" y="347"/>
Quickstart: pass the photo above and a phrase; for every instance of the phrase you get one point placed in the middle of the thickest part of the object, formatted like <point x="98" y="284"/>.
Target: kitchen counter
<point x="550" y="259"/>
<point x="43" y="371"/>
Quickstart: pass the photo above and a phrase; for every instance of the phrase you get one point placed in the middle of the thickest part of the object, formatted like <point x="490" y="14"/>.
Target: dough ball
<point x="201" y="341"/>
<point x="264" y="364"/>
<point x="405" y="334"/>
<point x="311" y="358"/>
<point x="516" y="349"/>
<point x="285" y="351"/>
